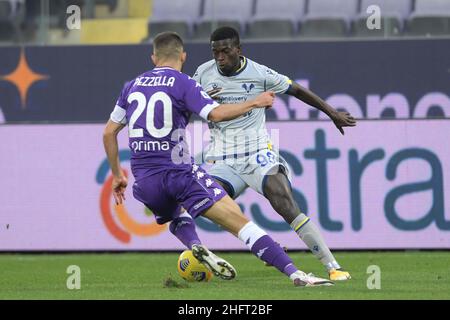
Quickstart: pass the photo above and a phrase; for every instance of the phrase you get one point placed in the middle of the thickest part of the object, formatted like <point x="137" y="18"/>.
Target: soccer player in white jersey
<point x="241" y="150"/>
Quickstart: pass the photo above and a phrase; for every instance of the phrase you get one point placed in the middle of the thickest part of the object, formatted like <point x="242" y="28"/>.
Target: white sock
<point x="250" y="233"/>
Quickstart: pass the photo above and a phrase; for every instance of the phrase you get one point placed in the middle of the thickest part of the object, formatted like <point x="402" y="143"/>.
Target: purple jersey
<point x="157" y="106"/>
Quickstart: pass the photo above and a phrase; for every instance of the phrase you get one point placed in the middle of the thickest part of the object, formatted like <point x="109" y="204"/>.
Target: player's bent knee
<point x="284" y="205"/>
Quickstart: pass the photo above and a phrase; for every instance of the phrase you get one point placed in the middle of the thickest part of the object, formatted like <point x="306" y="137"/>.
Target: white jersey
<point x="247" y="134"/>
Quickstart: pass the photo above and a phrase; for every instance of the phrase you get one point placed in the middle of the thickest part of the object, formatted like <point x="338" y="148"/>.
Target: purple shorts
<point x="166" y="192"/>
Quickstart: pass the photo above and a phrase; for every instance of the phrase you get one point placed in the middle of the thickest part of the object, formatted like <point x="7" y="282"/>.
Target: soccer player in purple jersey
<point x="157" y="106"/>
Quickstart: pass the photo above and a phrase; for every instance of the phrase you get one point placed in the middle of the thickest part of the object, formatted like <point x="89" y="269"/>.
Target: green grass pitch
<point x="404" y="275"/>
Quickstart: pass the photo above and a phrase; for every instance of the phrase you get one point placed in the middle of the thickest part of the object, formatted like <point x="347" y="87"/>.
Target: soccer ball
<point x="190" y="269"/>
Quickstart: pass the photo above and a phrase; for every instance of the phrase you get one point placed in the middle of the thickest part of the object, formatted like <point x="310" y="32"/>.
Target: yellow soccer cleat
<point x="338" y="275"/>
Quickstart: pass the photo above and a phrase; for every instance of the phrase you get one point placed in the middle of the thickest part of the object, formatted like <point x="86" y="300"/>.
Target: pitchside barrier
<point x="384" y="185"/>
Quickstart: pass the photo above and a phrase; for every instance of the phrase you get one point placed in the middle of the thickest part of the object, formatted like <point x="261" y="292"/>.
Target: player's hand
<point x="265" y="99"/>
<point x="213" y="93"/>
<point x="119" y="185"/>
<point x="343" y="119"/>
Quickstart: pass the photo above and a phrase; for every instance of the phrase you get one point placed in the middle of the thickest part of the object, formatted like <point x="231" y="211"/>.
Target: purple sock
<point x="184" y="229"/>
<point x="269" y="251"/>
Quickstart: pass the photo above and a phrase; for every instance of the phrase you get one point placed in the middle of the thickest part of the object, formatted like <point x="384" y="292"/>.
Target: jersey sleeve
<point x="118" y="115"/>
<point x="274" y="81"/>
<point x="198" y="101"/>
<point x="196" y="75"/>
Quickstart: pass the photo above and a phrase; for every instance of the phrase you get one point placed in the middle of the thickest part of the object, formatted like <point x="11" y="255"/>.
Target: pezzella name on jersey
<point x="154" y="81"/>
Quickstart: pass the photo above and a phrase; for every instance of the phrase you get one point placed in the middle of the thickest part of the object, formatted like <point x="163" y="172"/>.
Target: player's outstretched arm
<point x="340" y="119"/>
<point x="231" y="111"/>
<point x="112" y="151"/>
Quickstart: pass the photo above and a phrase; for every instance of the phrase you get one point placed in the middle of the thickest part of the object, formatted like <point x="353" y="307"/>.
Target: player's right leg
<point x="183" y="227"/>
<point x="278" y="191"/>
<point x="227" y="214"/>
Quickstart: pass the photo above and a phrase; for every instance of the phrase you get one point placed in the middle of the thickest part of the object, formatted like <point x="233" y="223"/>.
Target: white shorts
<point x="250" y="171"/>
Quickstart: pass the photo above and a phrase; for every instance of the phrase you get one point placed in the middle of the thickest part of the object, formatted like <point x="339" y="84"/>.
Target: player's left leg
<point x="183" y="227"/>
<point x="156" y="195"/>
<point x="226" y="213"/>
<point x="278" y="191"/>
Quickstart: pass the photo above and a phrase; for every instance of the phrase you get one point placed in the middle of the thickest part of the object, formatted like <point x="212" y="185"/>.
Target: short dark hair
<point x="167" y="44"/>
<point x="223" y="33"/>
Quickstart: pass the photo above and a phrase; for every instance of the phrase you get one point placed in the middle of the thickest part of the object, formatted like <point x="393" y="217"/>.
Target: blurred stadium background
<point x="44" y="21"/>
<point x="384" y="185"/>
